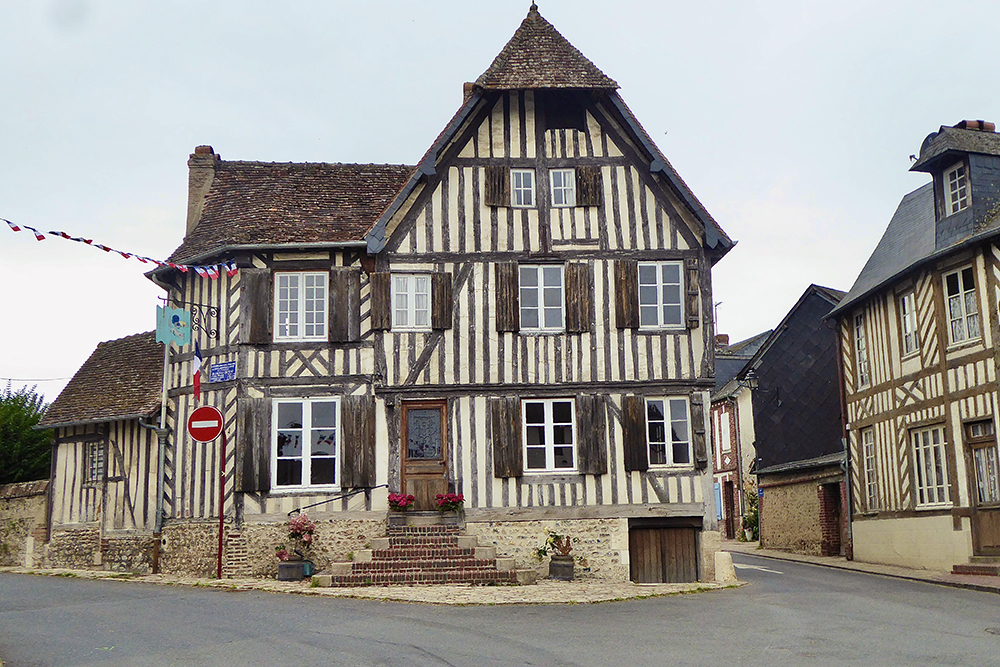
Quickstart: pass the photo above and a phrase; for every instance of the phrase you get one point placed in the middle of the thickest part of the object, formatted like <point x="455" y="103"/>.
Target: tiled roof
<point x="730" y="360"/>
<point x="955" y="139"/>
<point x="537" y="56"/>
<point x="122" y="378"/>
<point x="272" y="203"/>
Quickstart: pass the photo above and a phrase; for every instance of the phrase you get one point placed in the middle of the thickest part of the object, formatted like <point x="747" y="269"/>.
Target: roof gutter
<point x="102" y="420"/>
<point x="376" y="237"/>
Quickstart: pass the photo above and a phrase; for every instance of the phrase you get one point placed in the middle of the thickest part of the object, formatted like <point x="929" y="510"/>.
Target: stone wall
<point x="78" y="548"/>
<point x="127" y="553"/>
<point x="23" y="522"/>
<point x="792" y="513"/>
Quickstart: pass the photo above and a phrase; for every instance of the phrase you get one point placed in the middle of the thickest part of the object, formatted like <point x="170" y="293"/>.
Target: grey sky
<point x="792" y="122"/>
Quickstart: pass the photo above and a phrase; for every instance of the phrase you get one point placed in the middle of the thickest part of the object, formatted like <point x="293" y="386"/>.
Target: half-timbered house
<point x="104" y="457"/>
<point x="919" y="349"/>
<point x="523" y="318"/>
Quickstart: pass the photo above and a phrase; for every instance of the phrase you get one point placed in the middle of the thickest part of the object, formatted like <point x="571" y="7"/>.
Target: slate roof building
<point x="524" y="318"/>
<point x="919" y="333"/>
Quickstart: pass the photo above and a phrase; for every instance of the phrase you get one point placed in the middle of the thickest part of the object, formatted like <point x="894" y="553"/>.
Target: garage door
<point x="663" y="555"/>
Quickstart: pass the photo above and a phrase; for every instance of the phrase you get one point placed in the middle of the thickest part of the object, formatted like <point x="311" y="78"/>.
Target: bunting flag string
<point x="212" y="271"/>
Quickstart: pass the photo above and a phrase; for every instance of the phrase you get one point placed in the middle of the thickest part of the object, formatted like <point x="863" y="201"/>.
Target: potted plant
<point x="558" y="548"/>
<point x="400" y="502"/>
<point x="450" y="502"/>
<point x="294" y="563"/>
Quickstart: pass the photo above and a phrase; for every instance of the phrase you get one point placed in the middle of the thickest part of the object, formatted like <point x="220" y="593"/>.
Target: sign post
<point x="205" y="425"/>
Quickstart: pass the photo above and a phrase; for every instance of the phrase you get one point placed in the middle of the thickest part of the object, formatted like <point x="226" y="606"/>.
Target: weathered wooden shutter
<point x="441" y="301"/>
<point x="505" y="416"/>
<point x="634" y="433"/>
<point x="627" y="293"/>
<point x="381" y="290"/>
<point x="508" y="303"/>
<point x="497" y="187"/>
<point x="698" y="432"/>
<point x="357" y="465"/>
<point x="693" y="287"/>
<point x="255" y="306"/>
<point x="253" y="445"/>
<point x="591" y="436"/>
<point x="589" y="186"/>
<point x="577" y="297"/>
<point x="345" y="305"/>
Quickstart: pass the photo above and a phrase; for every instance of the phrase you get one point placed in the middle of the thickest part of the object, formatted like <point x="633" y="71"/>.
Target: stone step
<point x="981" y="569"/>
<point x="463" y="541"/>
<point x="425" y="564"/>
<point x="428" y="551"/>
<point x="456" y="576"/>
<point x="423" y="530"/>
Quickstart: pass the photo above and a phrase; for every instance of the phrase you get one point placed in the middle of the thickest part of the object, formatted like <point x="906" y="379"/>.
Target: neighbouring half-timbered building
<point x="919" y="335"/>
<point x="523" y="318"/>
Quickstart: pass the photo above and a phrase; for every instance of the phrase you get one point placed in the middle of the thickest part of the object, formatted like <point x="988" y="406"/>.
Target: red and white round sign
<point x="205" y="424"/>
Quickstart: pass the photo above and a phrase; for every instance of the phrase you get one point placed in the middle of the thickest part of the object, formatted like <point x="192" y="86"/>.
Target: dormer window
<point x="956" y="189"/>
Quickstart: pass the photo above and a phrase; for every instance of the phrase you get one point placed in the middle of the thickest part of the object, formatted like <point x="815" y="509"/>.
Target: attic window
<point x="956" y="187"/>
<point x="563" y="111"/>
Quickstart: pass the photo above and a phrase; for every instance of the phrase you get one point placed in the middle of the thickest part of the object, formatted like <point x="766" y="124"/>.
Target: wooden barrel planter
<point x="561" y="567"/>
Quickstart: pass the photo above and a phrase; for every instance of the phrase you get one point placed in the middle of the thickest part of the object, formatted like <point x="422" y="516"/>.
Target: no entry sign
<point x="205" y="424"/>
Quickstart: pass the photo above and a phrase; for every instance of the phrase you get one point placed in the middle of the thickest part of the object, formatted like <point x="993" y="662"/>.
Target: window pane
<point x="657" y="432"/>
<point x="535" y="435"/>
<point x="952" y="283"/>
<point x="671" y="273"/>
<point x="671" y="294"/>
<point x="563" y="457"/>
<point x="654" y="410"/>
<point x="682" y="452"/>
<point x="562" y="435"/>
<point x="534" y="413"/>
<point x="324" y="414"/>
<point x="324" y="443"/>
<point x="289" y="415"/>
<point x="529" y="319"/>
<point x="323" y="471"/>
<point x="536" y="458"/>
<point x="647" y="315"/>
<point x="289" y="472"/>
<point x="671" y="315"/>
<point x="657" y="453"/>
<point x="553" y="318"/>
<point x="289" y="443"/>
<point x="529" y="276"/>
<point x="647" y="274"/>
<point x="529" y="297"/>
<point x="647" y="295"/>
<point x="423" y="429"/>
<point x="562" y="412"/>
<point x="678" y="409"/>
<point x="552" y="276"/>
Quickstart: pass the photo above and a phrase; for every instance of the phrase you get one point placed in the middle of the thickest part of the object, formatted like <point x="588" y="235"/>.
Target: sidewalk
<point x="972" y="582"/>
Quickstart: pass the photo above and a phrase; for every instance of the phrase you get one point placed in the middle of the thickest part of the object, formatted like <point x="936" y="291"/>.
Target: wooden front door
<point x="425" y="451"/>
<point x="660" y="555"/>
<point x="985" y="465"/>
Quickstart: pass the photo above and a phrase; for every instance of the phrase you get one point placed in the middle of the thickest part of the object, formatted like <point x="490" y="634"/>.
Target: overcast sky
<point x="792" y="123"/>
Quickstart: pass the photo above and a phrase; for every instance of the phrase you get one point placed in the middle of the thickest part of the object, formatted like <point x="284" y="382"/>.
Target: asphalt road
<point x="789" y="614"/>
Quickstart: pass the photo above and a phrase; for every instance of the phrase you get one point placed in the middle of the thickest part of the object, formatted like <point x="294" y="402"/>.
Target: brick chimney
<point x="721" y="340"/>
<point x="467" y="89"/>
<point x="201" y="173"/>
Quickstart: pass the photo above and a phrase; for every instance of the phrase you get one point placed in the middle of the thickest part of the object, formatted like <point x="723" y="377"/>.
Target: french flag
<point x="196" y="370"/>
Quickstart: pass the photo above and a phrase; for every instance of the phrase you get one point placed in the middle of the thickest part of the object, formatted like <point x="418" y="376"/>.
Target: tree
<point x="24" y="450"/>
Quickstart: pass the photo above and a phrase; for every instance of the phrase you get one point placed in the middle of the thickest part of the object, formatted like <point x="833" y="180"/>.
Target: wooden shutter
<point x="345" y="305"/>
<point x="693" y="283"/>
<point x="508" y="303"/>
<point x="357" y="447"/>
<point x="497" y="187"/>
<point x="255" y="306"/>
<point x="627" y="293"/>
<point x="505" y="417"/>
<point x="634" y="433"/>
<point x="698" y="432"/>
<point x="589" y="186"/>
<point x="253" y="445"/>
<point x="592" y="451"/>
<point x="577" y="297"/>
<point x="381" y="289"/>
<point x="441" y="301"/>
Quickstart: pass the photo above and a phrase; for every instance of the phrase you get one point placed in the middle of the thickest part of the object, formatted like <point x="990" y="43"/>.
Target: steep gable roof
<point x="284" y="203"/>
<point x="537" y="56"/>
<point x="122" y="379"/>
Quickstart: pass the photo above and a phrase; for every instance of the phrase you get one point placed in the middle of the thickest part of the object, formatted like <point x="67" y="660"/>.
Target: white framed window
<point x="908" y="323"/>
<point x="668" y="431"/>
<point x="522" y="188"/>
<point x="931" y="466"/>
<point x="956" y="189"/>
<point x="306" y="443"/>
<point x="563" y="183"/>
<point x="300" y="306"/>
<point x="660" y="295"/>
<point x="95" y="462"/>
<point x="861" y="351"/>
<point x="411" y="301"/>
<point x="549" y="434"/>
<point x="963" y="307"/>
<point x="871" y="471"/>
<point x="541" y="296"/>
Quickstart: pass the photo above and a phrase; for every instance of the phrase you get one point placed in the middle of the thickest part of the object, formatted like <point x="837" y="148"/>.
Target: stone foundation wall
<point x="23" y="522"/>
<point x="127" y="553"/>
<point x="77" y="548"/>
<point x="600" y="546"/>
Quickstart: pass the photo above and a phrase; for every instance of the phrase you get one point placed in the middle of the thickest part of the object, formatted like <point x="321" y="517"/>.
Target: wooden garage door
<point x="663" y="555"/>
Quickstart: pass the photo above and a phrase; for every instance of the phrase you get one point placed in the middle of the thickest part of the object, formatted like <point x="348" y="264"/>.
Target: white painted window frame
<point x="962" y="307"/>
<point x="871" y="469"/>
<point x="542" y="272"/>
<point x="930" y="467"/>
<point x="306" y="455"/>
<point x="292" y="302"/>
<point x="548" y="426"/>
<point x="522" y="188"/>
<point x="563" y="193"/>
<point x="411" y="301"/>
<point x="671" y="437"/>
<point x="660" y="286"/>
<point x="909" y="338"/>
<point x="861" y="359"/>
<point x="956" y="188"/>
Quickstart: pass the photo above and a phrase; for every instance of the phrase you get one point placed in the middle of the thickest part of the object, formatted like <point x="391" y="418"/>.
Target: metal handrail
<point x="340" y="497"/>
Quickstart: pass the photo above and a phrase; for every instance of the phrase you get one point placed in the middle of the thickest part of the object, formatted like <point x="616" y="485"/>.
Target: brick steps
<point x="425" y="553"/>
<point x="980" y="569"/>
